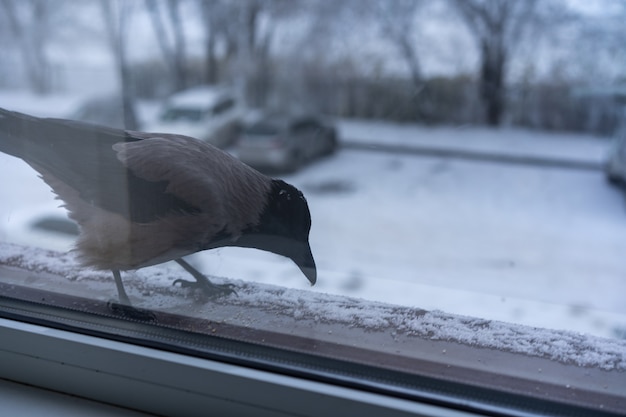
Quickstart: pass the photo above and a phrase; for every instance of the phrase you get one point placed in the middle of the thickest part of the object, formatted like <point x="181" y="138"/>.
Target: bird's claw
<point x="211" y="290"/>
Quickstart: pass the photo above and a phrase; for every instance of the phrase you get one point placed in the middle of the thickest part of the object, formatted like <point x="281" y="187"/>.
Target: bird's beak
<point x="298" y="251"/>
<point x="304" y="259"/>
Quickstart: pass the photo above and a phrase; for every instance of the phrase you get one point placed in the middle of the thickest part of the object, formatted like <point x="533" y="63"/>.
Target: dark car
<point x="286" y="142"/>
<point x="615" y="167"/>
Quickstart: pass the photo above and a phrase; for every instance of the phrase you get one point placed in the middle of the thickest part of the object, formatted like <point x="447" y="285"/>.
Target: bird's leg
<point x="121" y="292"/>
<point x="124" y="307"/>
<point x="202" y="281"/>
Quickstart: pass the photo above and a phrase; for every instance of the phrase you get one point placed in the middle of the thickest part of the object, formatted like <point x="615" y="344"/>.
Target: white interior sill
<point x="25" y="400"/>
<point x="169" y="384"/>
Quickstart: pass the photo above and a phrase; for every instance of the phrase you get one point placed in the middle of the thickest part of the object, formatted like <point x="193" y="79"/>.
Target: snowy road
<point x="535" y="245"/>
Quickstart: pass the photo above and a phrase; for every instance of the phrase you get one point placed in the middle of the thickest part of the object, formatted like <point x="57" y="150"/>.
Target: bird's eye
<point x="285" y="194"/>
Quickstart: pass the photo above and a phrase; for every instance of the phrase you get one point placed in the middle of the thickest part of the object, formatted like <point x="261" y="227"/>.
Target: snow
<point x="370" y="316"/>
<point x="508" y="243"/>
<point x="532" y="245"/>
<point x="504" y="141"/>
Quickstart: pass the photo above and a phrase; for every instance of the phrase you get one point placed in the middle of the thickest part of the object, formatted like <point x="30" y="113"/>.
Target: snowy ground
<point x="536" y="246"/>
<point x="533" y="245"/>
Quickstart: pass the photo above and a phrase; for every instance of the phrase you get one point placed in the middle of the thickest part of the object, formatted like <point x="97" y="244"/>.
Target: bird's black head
<point x="284" y="228"/>
<point x="288" y="211"/>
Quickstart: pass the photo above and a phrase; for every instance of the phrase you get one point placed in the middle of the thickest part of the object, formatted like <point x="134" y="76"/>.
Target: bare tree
<point x="245" y="29"/>
<point x="209" y="11"/>
<point x="397" y="19"/>
<point x="220" y="25"/>
<point x="173" y="50"/>
<point x="251" y="55"/>
<point x="30" y="30"/>
<point x="606" y="64"/>
<point x="116" y="17"/>
<point x="497" y="26"/>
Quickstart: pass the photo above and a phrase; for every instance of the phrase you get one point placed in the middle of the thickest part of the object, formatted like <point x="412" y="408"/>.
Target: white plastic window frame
<point x="171" y="384"/>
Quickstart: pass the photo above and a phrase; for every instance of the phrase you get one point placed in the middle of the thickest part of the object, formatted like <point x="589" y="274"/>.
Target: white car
<point x="207" y="113"/>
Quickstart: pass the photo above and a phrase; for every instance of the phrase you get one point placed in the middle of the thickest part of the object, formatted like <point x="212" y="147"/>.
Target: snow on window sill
<point x="560" y="366"/>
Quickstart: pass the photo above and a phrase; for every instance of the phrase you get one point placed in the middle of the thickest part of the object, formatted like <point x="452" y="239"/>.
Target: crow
<point x="141" y="199"/>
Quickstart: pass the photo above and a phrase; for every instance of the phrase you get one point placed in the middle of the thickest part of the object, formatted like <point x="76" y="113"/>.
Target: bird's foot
<point x="131" y="312"/>
<point x="209" y="289"/>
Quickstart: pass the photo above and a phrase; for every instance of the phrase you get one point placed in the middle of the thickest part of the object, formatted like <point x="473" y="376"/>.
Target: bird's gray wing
<point x="199" y="174"/>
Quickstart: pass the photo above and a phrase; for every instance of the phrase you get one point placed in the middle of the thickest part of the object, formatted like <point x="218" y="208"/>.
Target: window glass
<point x="468" y="191"/>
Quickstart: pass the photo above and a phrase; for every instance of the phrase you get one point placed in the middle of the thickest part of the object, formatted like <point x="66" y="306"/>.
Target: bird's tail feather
<point x="14" y="127"/>
<point x="55" y="143"/>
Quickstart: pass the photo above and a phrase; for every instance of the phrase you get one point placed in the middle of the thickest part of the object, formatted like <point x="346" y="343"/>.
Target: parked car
<point x="207" y="113"/>
<point x="102" y="110"/>
<point x="615" y="167"/>
<point x="285" y="142"/>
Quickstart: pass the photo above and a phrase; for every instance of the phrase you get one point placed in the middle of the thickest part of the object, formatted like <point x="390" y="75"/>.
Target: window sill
<point x="433" y="346"/>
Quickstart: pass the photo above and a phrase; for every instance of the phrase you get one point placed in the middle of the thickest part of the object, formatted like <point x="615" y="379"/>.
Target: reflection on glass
<point x="456" y="172"/>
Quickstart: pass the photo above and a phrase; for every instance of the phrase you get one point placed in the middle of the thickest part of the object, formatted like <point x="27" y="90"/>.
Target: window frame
<point x="47" y="345"/>
<point x="172" y="384"/>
